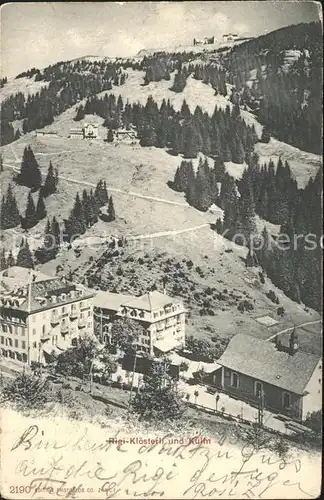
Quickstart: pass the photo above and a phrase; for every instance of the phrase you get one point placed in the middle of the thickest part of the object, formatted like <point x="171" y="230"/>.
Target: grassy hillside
<point x="168" y="233"/>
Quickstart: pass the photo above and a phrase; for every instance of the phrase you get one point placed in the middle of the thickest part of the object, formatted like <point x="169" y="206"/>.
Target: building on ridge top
<point x="88" y="131"/>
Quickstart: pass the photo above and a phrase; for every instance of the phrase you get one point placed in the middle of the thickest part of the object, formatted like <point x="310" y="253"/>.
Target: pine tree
<point x="40" y="208"/>
<point x="55" y="231"/>
<point x="30" y="214"/>
<point x="1" y="164"/>
<point x="111" y="210"/>
<point x="203" y="187"/>
<point x="10" y="260"/>
<point x="219" y="169"/>
<point x="110" y="135"/>
<point x="24" y="257"/>
<point x="50" y="247"/>
<point x="93" y="209"/>
<point x="29" y="174"/>
<point x="50" y="184"/>
<point x="265" y="137"/>
<point x="80" y="114"/>
<point x="9" y="215"/>
<point x="3" y="260"/>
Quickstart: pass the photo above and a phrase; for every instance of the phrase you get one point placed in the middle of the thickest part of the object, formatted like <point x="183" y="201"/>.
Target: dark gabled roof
<point x="261" y="360"/>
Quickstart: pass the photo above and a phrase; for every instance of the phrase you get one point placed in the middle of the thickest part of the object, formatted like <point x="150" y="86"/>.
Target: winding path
<point x="113" y="190"/>
<point x="295" y="326"/>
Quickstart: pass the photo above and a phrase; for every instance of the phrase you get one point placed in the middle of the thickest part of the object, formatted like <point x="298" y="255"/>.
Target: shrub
<point x="272" y="296"/>
<point x="27" y="391"/>
<point x="280" y="311"/>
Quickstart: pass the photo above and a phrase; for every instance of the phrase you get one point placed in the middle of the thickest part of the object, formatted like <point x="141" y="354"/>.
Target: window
<point x="2" y="340"/>
<point x="23" y="344"/>
<point x="258" y="389"/>
<point x="34" y="331"/>
<point x="43" y="329"/>
<point x="63" y="310"/>
<point x="16" y="343"/>
<point x="10" y="342"/>
<point x="89" y="313"/>
<point x="234" y="380"/>
<point x="286" y="402"/>
<point x="34" y="345"/>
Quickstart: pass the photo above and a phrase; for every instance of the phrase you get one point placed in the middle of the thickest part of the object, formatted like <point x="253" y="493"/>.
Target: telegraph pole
<point x="261" y="408"/>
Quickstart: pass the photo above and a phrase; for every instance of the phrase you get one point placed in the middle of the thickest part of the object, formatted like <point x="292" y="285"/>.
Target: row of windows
<point x="63" y="310"/>
<point x="11" y="318"/>
<point x="13" y="342"/>
<point x="14" y="355"/>
<point x="258" y="390"/>
<point x="167" y="310"/>
<point x="12" y="329"/>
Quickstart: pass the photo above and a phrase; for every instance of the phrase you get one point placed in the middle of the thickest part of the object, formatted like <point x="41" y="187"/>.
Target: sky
<point x="38" y="34"/>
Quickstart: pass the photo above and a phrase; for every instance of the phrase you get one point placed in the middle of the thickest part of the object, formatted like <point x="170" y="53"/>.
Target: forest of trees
<point x="272" y="193"/>
<point x="224" y="134"/>
<point x="286" y="101"/>
<point x="68" y="84"/>
<point x="29" y="176"/>
<point x="84" y="214"/>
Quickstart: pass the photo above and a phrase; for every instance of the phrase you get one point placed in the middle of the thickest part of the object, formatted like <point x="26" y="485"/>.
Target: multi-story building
<point x="88" y="131"/>
<point x="163" y="319"/>
<point x="41" y="314"/>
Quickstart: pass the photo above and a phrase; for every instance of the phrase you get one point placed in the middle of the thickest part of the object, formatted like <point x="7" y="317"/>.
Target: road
<point x="292" y="327"/>
<point x="112" y="189"/>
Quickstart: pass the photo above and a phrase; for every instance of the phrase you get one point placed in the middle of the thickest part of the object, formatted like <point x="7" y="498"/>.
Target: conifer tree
<point x="3" y="260"/>
<point x="24" y="257"/>
<point x="93" y="209"/>
<point x="30" y="215"/>
<point x="111" y="210"/>
<point x="10" y="260"/>
<point x="80" y="114"/>
<point x="219" y="169"/>
<point x="40" y="208"/>
<point x="29" y="174"/>
<point x="49" y="249"/>
<point x="265" y="137"/>
<point x="51" y="180"/>
<point x="110" y="135"/>
<point x="9" y="214"/>
<point x="54" y="229"/>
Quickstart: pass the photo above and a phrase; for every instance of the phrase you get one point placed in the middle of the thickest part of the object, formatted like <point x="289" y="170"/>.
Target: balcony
<point x="64" y="328"/>
<point x="82" y="323"/>
<point x="73" y="315"/>
<point x="55" y="319"/>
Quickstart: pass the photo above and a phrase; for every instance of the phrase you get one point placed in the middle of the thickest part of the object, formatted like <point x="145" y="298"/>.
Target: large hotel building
<point x="163" y="319"/>
<point x="41" y="314"/>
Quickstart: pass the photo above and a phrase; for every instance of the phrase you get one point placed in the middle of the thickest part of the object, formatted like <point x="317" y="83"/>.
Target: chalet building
<point x="163" y="319"/>
<point x="41" y="314"/>
<point x="125" y="135"/>
<point x="230" y="38"/>
<point x="288" y="379"/>
<point x="207" y="40"/>
<point x="89" y="131"/>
